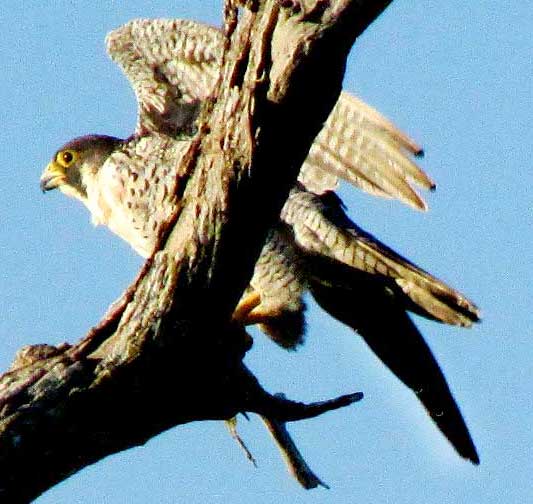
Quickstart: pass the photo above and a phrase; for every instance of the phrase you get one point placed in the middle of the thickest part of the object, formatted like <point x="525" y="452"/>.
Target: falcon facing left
<point x="130" y="186"/>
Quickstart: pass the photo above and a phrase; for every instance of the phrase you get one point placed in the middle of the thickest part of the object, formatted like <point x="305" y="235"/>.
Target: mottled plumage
<point x="130" y="186"/>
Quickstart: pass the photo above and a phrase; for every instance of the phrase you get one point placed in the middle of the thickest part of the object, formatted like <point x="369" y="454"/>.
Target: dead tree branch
<point x="156" y="360"/>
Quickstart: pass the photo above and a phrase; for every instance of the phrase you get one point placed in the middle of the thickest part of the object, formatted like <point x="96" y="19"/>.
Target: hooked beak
<point x="52" y="177"/>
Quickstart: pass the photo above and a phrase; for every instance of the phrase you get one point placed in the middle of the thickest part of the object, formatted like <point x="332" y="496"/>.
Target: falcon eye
<point x="66" y="158"/>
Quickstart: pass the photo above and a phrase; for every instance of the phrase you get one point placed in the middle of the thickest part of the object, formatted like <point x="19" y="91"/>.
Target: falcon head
<point x="76" y="164"/>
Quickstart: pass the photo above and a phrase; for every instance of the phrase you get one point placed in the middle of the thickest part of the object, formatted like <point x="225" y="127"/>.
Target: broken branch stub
<point x="167" y="352"/>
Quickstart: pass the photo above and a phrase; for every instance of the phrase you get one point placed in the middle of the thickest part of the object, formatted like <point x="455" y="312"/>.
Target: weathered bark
<point x="167" y="352"/>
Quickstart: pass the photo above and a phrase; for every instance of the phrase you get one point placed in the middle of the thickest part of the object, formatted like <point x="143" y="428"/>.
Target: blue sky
<point x="457" y="77"/>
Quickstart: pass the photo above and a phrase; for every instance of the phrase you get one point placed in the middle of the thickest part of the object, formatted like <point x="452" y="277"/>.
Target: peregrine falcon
<point x="131" y="185"/>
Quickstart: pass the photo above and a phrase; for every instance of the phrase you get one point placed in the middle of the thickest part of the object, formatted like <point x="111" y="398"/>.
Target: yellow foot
<point x="245" y="306"/>
<point x="249" y="311"/>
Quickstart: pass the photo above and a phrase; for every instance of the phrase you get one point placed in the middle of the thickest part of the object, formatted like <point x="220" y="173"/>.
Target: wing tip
<point x="474" y="458"/>
<point x="470" y="311"/>
<point x="469" y="452"/>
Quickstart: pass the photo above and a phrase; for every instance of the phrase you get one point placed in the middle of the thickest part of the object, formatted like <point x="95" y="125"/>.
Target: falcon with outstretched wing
<point x="131" y="185"/>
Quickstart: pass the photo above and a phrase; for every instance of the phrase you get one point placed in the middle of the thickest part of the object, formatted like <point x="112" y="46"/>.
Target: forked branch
<point x="167" y="352"/>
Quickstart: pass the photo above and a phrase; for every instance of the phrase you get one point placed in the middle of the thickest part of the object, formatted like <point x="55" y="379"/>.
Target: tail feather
<point x="432" y="297"/>
<point x="321" y="228"/>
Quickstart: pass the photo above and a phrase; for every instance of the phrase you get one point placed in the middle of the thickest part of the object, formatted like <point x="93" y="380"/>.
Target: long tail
<point x="369" y="287"/>
<point x="321" y="228"/>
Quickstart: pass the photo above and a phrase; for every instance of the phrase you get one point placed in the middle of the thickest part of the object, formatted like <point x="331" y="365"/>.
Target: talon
<point x="245" y="307"/>
<point x="250" y="312"/>
<point x="260" y="316"/>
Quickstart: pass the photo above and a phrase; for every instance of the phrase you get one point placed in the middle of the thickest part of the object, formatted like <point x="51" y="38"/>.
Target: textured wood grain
<point x="156" y="360"/>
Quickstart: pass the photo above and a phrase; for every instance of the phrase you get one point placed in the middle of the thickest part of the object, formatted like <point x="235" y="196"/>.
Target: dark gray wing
<point x="369" y="287"/>
<point x="367" y="306"/>
<point x="321" y="228"/>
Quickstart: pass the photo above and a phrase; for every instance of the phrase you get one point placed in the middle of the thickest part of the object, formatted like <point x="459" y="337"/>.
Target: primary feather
<point x="130" y="186"/>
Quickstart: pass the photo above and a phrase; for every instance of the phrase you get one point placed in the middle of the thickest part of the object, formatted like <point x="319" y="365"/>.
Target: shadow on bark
<point x="156" y="359"/>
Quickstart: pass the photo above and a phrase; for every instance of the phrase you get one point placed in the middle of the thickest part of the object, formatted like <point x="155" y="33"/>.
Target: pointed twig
<point x="294" y="460"/>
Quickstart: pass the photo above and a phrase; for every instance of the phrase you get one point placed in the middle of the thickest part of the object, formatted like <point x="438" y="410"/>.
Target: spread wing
<point x="359" y="145"/>
<point x="174" y="65"/>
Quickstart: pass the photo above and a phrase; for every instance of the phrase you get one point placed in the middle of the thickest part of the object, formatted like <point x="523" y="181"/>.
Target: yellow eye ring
<point x="66" y="157"/>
